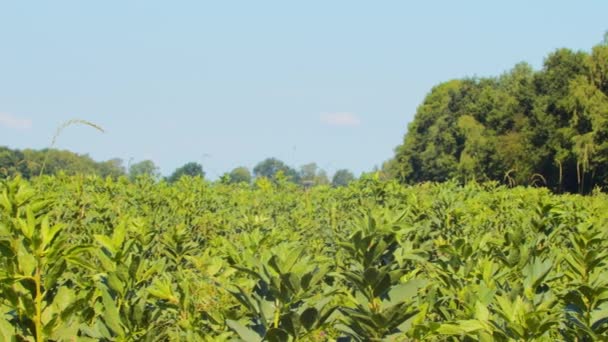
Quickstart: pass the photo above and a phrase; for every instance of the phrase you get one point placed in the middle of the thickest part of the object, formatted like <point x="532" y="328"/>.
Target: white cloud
<point x="11" y="121"/>
<point x="340" y="119"/>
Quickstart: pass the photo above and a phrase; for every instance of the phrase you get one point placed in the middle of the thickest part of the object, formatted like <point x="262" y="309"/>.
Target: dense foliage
<point x="548" y="127"/>
<point x="92" y="259"/>
<point x="29" y="163"/>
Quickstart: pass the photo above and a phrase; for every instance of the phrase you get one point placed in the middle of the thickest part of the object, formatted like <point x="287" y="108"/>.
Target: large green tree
<point x="546" y="127"/>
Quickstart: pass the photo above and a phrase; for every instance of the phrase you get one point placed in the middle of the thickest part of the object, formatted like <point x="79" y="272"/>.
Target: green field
<point x="85" y="258"/>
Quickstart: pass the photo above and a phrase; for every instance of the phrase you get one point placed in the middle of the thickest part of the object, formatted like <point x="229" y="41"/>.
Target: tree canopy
<point x="342" y="178"/>
<point x="269" y="168"/>
<point x="144" y="167"/>
<point x="191" y="169"/>
<point x="310" y="174"/>
<point x="547" y="127"/>
<point x="239" y="174"/>
<point x="29" y="163"/>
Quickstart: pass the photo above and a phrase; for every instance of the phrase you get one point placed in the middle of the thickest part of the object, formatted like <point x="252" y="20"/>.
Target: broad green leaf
<point x="309" y="317"/>
<point x="27" y="263"/>
<point x="403" y="292"/>
<point x="371" y="276"/>
<point x="118" y="237"/>
<point x="7" y="331"/>
<point x="49" y="232"/>
<point x="111" y="316"/>
<point x="460" y="328"/>
<point x="383" y="285"/>
<point x="481" y="312"/>
<point x="276" y="335"/>
<point x="245" y="333"/>
<point x="106" y="243"/>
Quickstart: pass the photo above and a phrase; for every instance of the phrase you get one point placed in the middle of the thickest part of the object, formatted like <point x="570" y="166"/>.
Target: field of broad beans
<point x="88" y="259"/>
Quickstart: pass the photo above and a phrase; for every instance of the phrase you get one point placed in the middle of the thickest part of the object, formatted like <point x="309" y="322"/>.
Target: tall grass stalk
<point x="58" y="133"/>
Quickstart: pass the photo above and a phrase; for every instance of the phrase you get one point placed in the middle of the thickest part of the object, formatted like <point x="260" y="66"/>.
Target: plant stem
<point x="277" y="314"/>
<point x="38" y="303"/>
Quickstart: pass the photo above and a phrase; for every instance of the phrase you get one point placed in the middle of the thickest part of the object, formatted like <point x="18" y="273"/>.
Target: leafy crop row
<point x="89" y="259"/>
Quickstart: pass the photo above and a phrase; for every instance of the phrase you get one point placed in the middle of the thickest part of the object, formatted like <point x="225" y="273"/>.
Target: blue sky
<point x="229" y="83"/>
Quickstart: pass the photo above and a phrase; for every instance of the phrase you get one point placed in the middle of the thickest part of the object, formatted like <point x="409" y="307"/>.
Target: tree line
<point x="29" y="163"/>
<point x="525" y="127"/>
